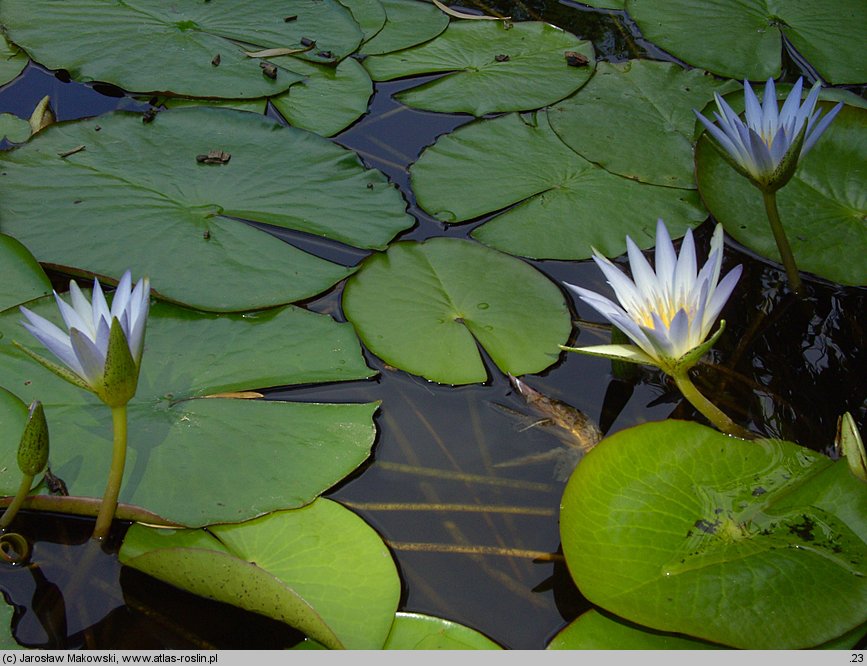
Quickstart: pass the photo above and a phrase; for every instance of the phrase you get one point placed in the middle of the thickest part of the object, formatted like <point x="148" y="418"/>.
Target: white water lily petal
<point x="85" y="346"/>
<point x="667" y="311"/>
<point x="761" y="142"/>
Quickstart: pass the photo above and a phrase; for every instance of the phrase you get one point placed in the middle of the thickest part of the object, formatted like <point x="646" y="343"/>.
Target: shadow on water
<point x="475" y="537"/>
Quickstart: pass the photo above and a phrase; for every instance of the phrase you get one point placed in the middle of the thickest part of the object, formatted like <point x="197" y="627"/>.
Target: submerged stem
<point x="709" y="410"/>
<point x="770" y="199"/>
<point x="115" y="475"/>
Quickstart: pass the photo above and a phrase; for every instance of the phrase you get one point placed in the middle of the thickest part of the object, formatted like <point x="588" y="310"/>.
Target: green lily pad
<point x="170" y="46"/>
<point x="12" y="61"/>
<point x="326" y="102"/>
<point x="407" y="23"/>
<point x="23" y="277"/>
<point x="178" y="218"/>
<point x="13" y="128"/>
<point x="823" y="208"/>
<point x="593" y="630"/>
<point x="553" y="201"/>
<point x="300" y="567"/>
<point x="193" y="459"/>
<point x="7" y="640"/>
<point x="742" y="39"/>
<point x="635" y="119"/>
<point x="491" y="67"/>
<point x="753" y="544"/>
<point x="424" y="308"/>
<point x="414" y="631"/>
<point x="368" y="14"/>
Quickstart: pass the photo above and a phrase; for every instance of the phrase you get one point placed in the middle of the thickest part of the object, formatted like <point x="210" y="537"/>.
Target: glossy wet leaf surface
<point x="743" y="39"/>
<point x="300" y="567"/>
<point x="823" y="208"/>
<point x="162" y="46"/>
<point x="415" y="631"/>
<point x="23" y="277"/>
<point x="549" y="202"/>
<point x="180" y="218"/>
<point x="635" y="119"/>
<point x="408" y="22"/>
<point x="754" y="544"/>
<point x="238" y="458"/>
<point x="594" y="630"/>
<point x="489" y="67"/>
<point x="424" y="308"/>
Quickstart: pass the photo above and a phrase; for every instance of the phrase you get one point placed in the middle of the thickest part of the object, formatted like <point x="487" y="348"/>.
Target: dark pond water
<point x="474" y="535"/>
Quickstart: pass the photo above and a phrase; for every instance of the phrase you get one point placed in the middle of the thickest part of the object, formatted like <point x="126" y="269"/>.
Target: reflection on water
<point x="474" y="535"/>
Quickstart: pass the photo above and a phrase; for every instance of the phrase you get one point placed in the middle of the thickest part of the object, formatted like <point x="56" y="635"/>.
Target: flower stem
<point x="12" y="509"/>
<point x="783" y="246"/>
<point x="115" y="474"/>
<point x="709" y="410"/>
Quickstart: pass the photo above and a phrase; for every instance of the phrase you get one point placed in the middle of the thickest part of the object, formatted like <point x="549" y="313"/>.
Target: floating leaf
<point x="171" y="46"/>
<point x="13" y="128"/>
<point x="753" y="544"/>
<point x="635" y="119"/>
<point x="300" y="567"/>
<point x="369" y="14"/>
<point x="743" y="39"/>
<point x="7" y="639"/>
<point x="12" y="61"/>
<point x="23" y="277"/>
<point x="565" y="204"/>
<point x="408" y="22"/>
<point x="491" y="67"/>
<point x="424" y="307"/>
<point x="823" y="208"/>
<point x="195" y="461"/>
<point x="593" y="630"/>
<point x="326" y="102"/>
<point x="178" y="217"/>
<point x="414" y="631"/>
<point x="13" y="419"/>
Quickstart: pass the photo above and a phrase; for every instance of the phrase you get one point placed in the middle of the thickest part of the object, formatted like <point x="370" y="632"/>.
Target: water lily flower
<point x="767" y="145"/>
<point x="668" y="313"/>
<point x="102" y="348"/>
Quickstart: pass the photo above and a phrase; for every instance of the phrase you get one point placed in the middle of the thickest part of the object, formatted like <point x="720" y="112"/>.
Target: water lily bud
<point x="849" y="444"/>
<point x="33" y="447"/>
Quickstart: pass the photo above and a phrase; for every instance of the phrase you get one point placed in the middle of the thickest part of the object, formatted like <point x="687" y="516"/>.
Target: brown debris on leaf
<point x="575" y="59"/>
<point x="214" y="157"/>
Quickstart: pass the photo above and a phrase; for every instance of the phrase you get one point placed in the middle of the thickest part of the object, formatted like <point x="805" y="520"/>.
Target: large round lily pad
<point x="490" y="67"/>
<point x="424" y="308"/>
<point x="752" y="544"/>
<point x="407" y="23"/>
<point x="635" y="119"/>
<point x="414" y="631"/>
<point x="149" y="191"/>
<point x="823" y="208"/>
<point x="12" y="61"/>
<point x="368" y="14"/>
<point x="195" y="459"/>
<point x="552" y="203"/>
<point x="300" y="567"/>
<point x="171" y="46"/>
<point x="743" y="39"/>
<point x="593" y="630"/>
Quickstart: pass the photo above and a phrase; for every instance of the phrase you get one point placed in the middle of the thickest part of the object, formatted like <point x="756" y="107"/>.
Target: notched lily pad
<point x="407" y="23"/>
<point x="490" y="67"/>
<point x="423" y="308"/>
<point x="558" y="209"/>
<point x="743" y="39"/>
<point x="238" y="458"/>
<point x="299" y="567"/>
<point x="752" y="544"/>
<point x="184" y="47"/>
<point x="182" y="216"/>
<point x="635" y="119"/>
<point x="23" y="277"/>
